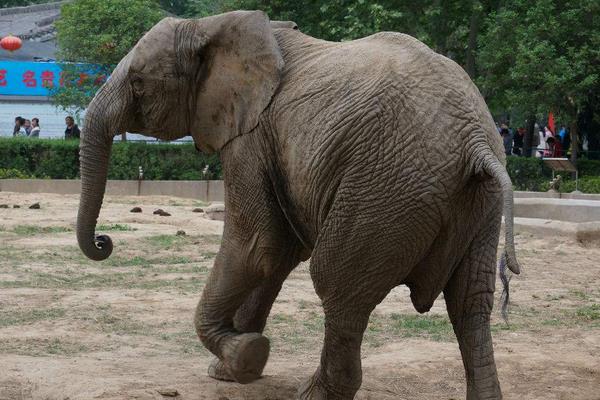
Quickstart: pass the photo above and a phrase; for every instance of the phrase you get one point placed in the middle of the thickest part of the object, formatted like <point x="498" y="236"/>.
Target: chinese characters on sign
<point x="39" y="78"/>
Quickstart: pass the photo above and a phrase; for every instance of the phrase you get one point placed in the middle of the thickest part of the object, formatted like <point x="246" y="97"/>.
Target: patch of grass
<point x="24" y="317"/>
<point x="70" y="279"/>
<point x="109" y="321"/>
<point x="589" y="313"/>
<point x="187" y="341"/>
<point x="42" y="347"/>
<point x="29" y="230"/>
<point x="579" y="294"/>
<point x="436" y="327"/>
<point x="165" y="241"/>
<point x="115" y="227"/>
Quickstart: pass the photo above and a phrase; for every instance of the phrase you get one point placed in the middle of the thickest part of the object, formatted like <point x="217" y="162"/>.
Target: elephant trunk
<point x="102" y="122"/>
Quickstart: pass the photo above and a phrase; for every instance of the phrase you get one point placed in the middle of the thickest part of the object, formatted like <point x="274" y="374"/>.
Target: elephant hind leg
<point x="469" y="299"/>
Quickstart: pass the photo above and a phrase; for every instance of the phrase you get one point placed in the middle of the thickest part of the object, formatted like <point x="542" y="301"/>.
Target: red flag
<point x="551" y="123"/>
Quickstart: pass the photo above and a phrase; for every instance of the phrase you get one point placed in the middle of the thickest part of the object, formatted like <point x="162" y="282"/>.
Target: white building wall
<point x="52" y="120"/>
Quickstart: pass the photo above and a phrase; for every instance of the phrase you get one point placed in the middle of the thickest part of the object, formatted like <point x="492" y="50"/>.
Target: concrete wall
<point x="201" y="190"/>
<point x="569" y="210"/>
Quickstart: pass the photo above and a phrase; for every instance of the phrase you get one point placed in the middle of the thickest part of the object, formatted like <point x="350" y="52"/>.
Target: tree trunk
<point x="472" y="42"/>
<point x="124" y="137"/>
<point x="528" y="140"/>
<point x="574" y="141"/>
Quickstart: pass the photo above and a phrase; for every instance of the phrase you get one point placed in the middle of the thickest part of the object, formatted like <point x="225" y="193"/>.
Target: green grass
<point x="165" y="241"/>
<point x="115" y="227"/>
<point x="42" y="347"/>
<point x="24" y="317"/>
<point x="29" y="230"/>
<point x="435" y="327"/>
<point x="589" y="313"/>
<point x="70" y="279"/>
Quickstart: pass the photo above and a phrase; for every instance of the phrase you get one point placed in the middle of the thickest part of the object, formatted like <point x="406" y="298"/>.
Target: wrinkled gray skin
<point x="376" y="158"/>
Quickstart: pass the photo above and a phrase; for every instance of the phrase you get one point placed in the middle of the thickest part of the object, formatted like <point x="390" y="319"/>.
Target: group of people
<point x="545" y="142"/>
<point x="31" y="128"/>
<point x="25" y="127"/>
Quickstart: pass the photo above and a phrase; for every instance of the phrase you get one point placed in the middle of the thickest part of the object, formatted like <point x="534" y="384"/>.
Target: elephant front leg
<point x="231" y="281"/>
<point x="469" y="298"/>
<point x="254" y="311"/>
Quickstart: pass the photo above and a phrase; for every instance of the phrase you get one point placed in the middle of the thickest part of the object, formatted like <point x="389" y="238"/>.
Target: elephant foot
<point x="311" y="390"/>
<point x="315" y="389"/>
<point x="244" y="358"/>
<point x="217" y="370"/>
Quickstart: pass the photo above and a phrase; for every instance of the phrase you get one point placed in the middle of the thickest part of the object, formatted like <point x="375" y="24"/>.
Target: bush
<point x="12" y="174"/>
<point x="59" y="159"/>
<point x="528" y="173"/>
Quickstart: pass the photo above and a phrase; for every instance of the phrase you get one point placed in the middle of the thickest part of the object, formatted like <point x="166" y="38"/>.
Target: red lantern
<point x="11" y="43"/>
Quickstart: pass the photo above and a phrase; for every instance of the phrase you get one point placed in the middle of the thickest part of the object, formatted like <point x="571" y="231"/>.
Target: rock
<point x="180" y="233"/>
<point x="215" y="212"/>
<point x="35" y="206"/>
<point x="198" y="210"/>
<point x="3" y="205"/>
<point x="16" y="206"/>
<point x="161" y="212"/>
<point x="168" y="392"/>
<point x="136" y="210"/>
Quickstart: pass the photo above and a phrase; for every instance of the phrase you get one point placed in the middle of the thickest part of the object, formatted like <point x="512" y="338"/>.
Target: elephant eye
<point x="138" y="86"/>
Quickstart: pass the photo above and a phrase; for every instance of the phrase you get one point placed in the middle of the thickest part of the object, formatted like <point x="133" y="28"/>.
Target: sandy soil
<point x="122" y="329"/>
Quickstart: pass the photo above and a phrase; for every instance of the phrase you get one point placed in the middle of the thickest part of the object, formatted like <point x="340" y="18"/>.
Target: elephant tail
<point x="494" y="168"/>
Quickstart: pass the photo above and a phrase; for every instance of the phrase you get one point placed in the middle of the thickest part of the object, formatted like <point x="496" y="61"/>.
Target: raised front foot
<point x="244" y="358"/>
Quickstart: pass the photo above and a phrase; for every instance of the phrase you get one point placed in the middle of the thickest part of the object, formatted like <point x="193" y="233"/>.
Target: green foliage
<point x="100" y="33"/>
<point x="59" y="159"/>
<point x="587" y="184"/>
<point x="541" y="55"/>
<point x="527" y="173"/>
<point x="103" y="32"/>
<point x="12" y="173"/>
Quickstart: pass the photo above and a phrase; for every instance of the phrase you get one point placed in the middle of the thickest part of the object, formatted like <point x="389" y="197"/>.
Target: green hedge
<point x="59" y="159"/>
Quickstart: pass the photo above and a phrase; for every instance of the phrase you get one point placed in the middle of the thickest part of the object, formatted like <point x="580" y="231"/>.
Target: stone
<point x="168" y="392"/>
<point x="161" y="212"/>
<point x="215" y="212"/>
<point x="198" y="210"/>
<point x="136" y="210"/>
<point x="35" y="206"/>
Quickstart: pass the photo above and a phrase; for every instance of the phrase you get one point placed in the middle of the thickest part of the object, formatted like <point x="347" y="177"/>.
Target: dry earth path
<point x="122" y="329"/>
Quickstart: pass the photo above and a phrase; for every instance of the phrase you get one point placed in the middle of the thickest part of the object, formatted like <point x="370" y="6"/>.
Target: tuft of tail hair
<point x="505" y="278"/>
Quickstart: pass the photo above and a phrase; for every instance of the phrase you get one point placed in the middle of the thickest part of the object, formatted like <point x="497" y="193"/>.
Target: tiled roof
<point x="35" y="26"/>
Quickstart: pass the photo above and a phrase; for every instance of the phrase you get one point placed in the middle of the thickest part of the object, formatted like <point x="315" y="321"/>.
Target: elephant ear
<point x="238" y="63"/>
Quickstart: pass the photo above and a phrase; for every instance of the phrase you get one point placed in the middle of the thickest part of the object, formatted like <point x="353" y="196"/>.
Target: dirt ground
<point x="73" y="329"/>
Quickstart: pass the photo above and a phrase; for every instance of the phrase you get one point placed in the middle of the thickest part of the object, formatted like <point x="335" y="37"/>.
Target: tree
<point x="97" y="33"/>
<point x="542" y="55"/>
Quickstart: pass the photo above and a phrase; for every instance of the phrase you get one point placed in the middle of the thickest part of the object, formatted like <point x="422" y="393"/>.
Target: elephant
<point x="377" y="159"/>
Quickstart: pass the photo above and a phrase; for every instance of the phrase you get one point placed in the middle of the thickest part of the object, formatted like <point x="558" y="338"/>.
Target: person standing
<point x="19" y="130"/>
<point x="518" y="142"/>
<point x="72" y="131"/>
<point x="27" y="127"/>
<point x="35" y="128"/>
<point x="506" y="139"/>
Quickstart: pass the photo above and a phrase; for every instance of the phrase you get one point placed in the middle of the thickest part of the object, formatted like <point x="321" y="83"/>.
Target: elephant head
<point x="209" y="78"/>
